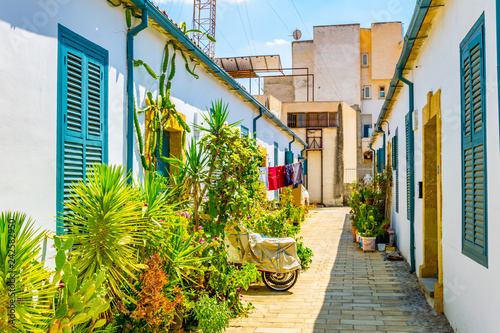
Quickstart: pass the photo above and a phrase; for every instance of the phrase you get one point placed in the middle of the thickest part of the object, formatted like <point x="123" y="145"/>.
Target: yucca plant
<point x="25" y="289"/>
<point x="105" y="218"/>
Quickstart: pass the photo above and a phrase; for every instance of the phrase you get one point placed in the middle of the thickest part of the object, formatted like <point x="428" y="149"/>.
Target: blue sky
<point x="251" y="27"/>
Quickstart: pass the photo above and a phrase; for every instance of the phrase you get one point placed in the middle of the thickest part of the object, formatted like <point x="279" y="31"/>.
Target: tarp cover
<point x="268" y="254"/>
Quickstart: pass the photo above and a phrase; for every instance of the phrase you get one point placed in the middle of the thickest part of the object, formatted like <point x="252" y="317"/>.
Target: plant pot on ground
<point x="370" y="224"/>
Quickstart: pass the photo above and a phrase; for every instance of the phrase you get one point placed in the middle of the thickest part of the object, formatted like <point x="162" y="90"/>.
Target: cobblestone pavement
<point x="345" y="290"/>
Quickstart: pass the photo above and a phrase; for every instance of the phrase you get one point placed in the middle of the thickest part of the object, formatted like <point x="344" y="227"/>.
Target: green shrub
<point x="212" y="316"/>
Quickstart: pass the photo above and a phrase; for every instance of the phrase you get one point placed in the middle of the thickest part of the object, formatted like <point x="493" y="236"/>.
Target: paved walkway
<point x="345" y="290"/>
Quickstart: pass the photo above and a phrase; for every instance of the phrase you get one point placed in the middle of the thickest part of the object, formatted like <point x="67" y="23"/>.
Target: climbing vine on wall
<point x="160" y="113"/>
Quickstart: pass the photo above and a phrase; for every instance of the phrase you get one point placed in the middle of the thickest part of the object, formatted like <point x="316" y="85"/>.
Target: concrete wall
<point x="28" y="95"/>
<point x="303" y="57"/>
<point x="280" y="87"/>
<point x="337" y="63"/>
<point x="386" y="38"/>
<point x="470" y="289"/>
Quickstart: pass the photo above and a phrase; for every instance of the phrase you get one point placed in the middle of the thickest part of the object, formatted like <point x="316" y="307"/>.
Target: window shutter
<point x="396" y="167"/>
<point x="82" y="91"/>
<point x="474" y="189"/>
<point x="408" y="169"/>
<point x="244" y="131"/>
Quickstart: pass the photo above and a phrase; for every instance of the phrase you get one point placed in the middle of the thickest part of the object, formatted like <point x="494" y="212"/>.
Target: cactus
<point x="78" y="301"/>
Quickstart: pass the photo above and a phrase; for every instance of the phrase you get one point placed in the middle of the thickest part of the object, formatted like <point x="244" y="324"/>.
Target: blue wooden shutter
<point x="82" y="110"/>
<point x="163" y="166"/>
<point x="396" y="168"/>
<point x="474" y="189"/>
<point x="408" y="166"/>
<point x="244" y="131"/>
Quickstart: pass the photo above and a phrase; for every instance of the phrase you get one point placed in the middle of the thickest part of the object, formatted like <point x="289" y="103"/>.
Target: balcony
<point x="312" y="120"/>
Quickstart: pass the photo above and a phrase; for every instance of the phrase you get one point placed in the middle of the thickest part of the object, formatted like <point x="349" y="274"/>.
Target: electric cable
<point x="250" y="26"/>
<point x="243" y="25"/>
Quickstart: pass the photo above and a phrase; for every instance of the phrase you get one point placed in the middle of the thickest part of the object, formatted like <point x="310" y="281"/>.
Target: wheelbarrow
<point x="275" y="258"/>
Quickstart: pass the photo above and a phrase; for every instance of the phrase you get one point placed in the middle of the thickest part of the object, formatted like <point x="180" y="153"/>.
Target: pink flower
<point x="213" y="239"/>
<point x="238" y="290"/>
<point x="187" y="215"/>
<point x="248" y="217"/>
<point x="202" y="241"/>
<point x="200" y="227"/>
<point x="252" y="227"/>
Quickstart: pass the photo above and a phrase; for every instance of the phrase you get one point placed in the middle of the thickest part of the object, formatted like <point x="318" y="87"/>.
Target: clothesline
<point x="282" y="176"/>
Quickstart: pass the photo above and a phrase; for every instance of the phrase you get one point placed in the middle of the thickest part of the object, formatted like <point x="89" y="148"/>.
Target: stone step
<point x="427" y="286"/>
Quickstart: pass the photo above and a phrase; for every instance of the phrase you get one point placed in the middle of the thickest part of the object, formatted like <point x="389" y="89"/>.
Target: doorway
<point x="430" y="272"/>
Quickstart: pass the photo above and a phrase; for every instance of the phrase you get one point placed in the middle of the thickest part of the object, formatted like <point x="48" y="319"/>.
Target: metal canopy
<point x="244" y="67"/>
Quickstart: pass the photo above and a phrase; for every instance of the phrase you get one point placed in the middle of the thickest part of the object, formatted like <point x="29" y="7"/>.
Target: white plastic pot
<point x="381" y="246"/>
<point x="369" y="243"/>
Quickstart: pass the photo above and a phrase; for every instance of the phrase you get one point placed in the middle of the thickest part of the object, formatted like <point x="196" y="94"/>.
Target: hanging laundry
<point x="264" y="176"/>
<point x="272" y="179"/>
<point x="297" y="173"/>
<point x="280" y="175"/>
<point x="288" y="175"/>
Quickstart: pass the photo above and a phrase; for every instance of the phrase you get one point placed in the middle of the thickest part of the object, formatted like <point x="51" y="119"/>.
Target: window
<point x="364" y="60"/>
<point x="82" y="110"/>
<point x="163" y="145"/>
<point x="381" y="91"/>
<point x="367" y="131"/>
<point x="276" y="192"/>
<point x="244" y="131"/>
<point x="474" y="185"/>
<point x="367" y="94"/>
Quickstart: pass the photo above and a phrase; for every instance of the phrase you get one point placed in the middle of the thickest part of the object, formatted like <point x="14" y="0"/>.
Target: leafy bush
<point x="212" y="316"/>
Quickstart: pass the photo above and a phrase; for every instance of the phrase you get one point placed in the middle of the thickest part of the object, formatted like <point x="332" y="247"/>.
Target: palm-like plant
<point x="105" y="218"/>
<point x="25" y="288"/>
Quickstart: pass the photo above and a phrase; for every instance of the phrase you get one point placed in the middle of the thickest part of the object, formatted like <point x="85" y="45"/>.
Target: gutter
<point x="373" y="158"/>
<point x="156" y="15"/>
<point x="290" y="144"/>
<point x="255" y="124"/>
<point x="130" y="90"/>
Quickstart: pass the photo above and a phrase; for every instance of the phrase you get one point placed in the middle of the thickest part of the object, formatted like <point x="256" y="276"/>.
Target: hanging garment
<point x="280" y="174"/>
<point x="288" y="175"/>
<point x="272" y="179"/>
<point x="264" y="176"/>
<point x="297" y="173"/>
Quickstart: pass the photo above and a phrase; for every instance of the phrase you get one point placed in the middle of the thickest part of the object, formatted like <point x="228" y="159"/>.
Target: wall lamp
<point x="380" y="130"/>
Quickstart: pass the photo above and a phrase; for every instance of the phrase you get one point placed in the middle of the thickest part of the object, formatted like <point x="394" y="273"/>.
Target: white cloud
<point x="277" y="42"/>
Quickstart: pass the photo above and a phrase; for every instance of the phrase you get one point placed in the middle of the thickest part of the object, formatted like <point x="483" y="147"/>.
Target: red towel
<point x="280" y="174"/>
<point x="273" y="179"/>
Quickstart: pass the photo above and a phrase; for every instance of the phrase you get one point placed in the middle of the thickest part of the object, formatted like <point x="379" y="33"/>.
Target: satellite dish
<point x="297" y="34"/>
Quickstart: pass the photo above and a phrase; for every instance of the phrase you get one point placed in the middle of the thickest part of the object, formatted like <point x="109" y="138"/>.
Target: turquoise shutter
<point x="163" y="166"/>
<point x="474" y="216"/>
<point x="408" y="167"/>
<point x="396" y="168"/>
<point x="82" y="111"/>
<point x="244" y="131"/>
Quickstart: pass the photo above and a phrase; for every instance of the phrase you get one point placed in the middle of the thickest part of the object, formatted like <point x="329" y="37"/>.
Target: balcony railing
<point x="312" y="120"/>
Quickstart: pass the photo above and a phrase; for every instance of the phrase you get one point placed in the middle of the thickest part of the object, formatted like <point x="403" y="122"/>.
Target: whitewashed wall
<point x="471" y="291"/>
<point x="28" y="95"/>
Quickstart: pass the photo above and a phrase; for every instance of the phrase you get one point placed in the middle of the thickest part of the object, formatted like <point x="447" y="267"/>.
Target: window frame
<point x="69" y="39"/>
<point x="381" y="90"/>
<point x="369" y="89"/>
<point x="367" y="63"/>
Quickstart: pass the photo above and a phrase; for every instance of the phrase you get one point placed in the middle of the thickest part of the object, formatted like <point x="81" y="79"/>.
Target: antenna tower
<point x="204" y="20"/>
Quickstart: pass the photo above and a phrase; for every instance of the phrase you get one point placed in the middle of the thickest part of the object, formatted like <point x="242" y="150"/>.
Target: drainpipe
<point x="290" y="144"/>
<point x="412" y="171"/>
<point x="130" y="90"/>
<point x="255" y="124"/>
<point x="373" y="159"/>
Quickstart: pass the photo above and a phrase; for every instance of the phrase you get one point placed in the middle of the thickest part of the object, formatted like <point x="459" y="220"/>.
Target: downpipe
<point x="412" y="170"/>
<point x="255" y="123"/>
<point x="130" y="90"/>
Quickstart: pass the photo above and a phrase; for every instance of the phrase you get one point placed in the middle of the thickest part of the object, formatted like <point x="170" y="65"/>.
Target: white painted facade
<point x="28" y="95"/>
<point x="471" y="290"/>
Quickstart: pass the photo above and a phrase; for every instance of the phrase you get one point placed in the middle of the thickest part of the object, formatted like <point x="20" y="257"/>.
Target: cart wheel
<point x="280" y="282"/>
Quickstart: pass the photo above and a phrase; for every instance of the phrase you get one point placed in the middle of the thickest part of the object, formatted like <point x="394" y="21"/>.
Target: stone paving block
<point x="345" y="290"/>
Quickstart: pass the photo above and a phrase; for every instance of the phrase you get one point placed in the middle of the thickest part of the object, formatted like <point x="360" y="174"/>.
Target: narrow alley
<point x="345" y="290"/>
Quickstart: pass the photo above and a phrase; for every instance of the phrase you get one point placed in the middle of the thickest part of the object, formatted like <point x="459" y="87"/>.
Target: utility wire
<point x="250" y="26"/>
<point x="224" y="37"/>
<point x="335" y="90"/>
<point x="243" y="25"/>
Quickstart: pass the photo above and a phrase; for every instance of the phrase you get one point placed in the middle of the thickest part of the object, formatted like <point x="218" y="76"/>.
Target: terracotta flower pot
<point x="370" y="201"/>
<point x="353" y="233"/>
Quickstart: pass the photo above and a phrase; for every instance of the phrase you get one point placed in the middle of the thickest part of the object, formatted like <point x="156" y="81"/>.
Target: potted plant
<point x="369" y="226"/>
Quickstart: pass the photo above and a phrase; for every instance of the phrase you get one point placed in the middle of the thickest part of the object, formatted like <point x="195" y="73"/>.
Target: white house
<point x="67" y="90"/>
<point x="442" y="114"/>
